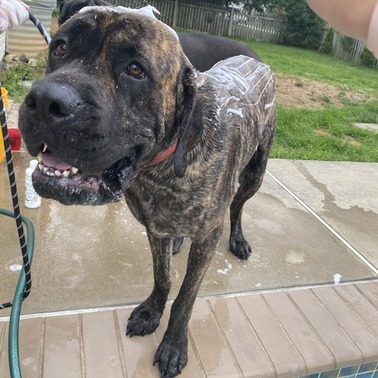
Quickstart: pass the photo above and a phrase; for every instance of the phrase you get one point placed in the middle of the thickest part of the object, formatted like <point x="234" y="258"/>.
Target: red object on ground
<point x="15" y="139"/>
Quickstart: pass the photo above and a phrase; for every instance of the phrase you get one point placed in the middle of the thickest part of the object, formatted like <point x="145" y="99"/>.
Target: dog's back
<point x="244" y="86"/>
<point x="242" y="72"/>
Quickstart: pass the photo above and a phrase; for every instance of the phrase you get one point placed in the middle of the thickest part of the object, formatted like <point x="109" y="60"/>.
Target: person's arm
<point x="12" y="14"/>
<point x="372" y="40"/>
<point x="349" y="17"/>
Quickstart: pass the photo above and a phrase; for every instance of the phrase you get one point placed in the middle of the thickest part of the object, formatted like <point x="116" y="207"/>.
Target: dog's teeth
<point x="44" y="148"/>
<point x="40" y="166"/>
<point x="39" y="157"/>
<point x="58" y="173"/>
<point x="74" y="170"/>
<point x="45" y="169"/>
<point x="66" y="173"/>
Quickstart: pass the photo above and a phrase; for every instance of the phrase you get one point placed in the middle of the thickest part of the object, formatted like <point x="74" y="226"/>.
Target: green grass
<point x="315" y="66"/>
<point x="14" y="77"/>
<point x="327" y="133"/>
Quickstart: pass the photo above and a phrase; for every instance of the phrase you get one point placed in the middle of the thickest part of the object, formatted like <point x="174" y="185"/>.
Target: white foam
<point x="148" y="10"/>
<point x="15" y="267"/>
<point x="242" y="81"/>
<point x="238" y="112"/>
<point x="337" y="278"/>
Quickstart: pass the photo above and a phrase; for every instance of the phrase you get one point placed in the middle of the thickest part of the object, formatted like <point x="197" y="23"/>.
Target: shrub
<point x="347" y="43"/>
<point x="303" y="27"/>
<point x="17" y="73"/>
<point x="326" y="46"/>
<point x="367" y="58"/>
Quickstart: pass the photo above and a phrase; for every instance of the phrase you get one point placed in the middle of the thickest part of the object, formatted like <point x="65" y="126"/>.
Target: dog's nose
<point x="52" y="100"/>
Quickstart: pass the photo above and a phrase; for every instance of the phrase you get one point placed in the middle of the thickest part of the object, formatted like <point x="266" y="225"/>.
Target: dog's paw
<point x="142" y="321"/>
<point x="240" y="247"/>
<point x="172" y="358"/>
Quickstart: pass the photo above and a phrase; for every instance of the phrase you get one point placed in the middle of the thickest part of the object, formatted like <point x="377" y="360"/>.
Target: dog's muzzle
<point x="59" y="127"/>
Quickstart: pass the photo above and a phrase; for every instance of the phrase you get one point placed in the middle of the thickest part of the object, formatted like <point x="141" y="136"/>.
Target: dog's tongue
<point x="53" y="161"/>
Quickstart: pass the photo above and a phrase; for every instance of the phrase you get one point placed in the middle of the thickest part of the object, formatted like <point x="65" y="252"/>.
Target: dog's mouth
<point x="56" y="179"/>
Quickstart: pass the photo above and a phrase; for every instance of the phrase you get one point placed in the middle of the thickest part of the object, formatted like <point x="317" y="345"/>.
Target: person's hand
<point x="12" y="14"/>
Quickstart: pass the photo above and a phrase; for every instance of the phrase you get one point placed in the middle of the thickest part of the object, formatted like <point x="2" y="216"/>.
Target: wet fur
<point x="219" y="162"/>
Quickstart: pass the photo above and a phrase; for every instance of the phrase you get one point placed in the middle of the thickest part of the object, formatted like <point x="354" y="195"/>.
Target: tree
<point x="258" y="5"/>
<point x="367" y="58"/>
<point x="326" y="46"/>
<point x="303" y="27"/>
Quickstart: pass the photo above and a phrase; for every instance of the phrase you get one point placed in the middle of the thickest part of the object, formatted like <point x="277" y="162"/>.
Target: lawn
<point x="325" y="131"/>
<point x="316" y="66"/>
<point x="319" y="98"/>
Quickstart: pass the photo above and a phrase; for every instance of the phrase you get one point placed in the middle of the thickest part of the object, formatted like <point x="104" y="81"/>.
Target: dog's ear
<point x="62" y="5"/>
<point x="190" y="126"/>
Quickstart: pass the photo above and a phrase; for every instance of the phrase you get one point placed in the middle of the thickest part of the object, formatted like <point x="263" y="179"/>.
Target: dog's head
<point x="118" y="91"/>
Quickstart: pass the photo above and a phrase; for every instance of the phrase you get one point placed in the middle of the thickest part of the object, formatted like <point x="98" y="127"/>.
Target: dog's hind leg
<point x="146" y="317"/>
<point x="250" y="181"/>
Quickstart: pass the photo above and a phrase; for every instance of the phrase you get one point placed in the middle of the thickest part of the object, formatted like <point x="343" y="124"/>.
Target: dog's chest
<point x="181" y="207"/>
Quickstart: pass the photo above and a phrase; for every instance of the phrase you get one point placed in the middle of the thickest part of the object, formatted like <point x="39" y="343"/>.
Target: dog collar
<point x="163" y="155"/>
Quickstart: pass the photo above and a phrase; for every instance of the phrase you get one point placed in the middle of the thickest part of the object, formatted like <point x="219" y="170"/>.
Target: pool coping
<point x="329" y="329"/>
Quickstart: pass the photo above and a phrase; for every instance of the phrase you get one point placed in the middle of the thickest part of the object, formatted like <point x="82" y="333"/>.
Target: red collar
<point x="163" y="155"/>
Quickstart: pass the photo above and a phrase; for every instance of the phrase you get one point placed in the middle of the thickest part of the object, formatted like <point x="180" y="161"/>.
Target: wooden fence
<point x="231" y="23"/>
<point x="256" y="26"/>
<point x="347" y="48"/>
<point x="207" y="20"/>
<point x="351" y="49"/>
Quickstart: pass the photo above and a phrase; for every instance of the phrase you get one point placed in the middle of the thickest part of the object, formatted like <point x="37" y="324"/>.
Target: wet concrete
<point x="344" y="194"/>
<point x="99" y="256"/>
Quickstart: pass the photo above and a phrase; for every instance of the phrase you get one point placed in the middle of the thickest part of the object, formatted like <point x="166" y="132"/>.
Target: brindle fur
<point x="219" y="163"/>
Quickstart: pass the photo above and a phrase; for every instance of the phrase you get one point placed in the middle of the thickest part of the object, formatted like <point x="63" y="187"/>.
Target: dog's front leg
<point x="146" y="317"/>
<point x="172" y="354"/>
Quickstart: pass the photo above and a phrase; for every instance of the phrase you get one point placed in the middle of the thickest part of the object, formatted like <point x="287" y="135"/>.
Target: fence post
<point x="229" y="32"/>
<point x="175" y="13"/>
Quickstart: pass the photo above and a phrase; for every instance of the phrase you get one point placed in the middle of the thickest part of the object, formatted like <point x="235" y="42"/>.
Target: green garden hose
<point x="24" y="282"/>
<point x="13" y="335"/>
<point x="27" y="247"/>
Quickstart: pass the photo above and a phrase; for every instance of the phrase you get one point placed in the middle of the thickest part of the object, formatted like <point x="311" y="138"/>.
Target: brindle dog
<point x="121" y="112"/>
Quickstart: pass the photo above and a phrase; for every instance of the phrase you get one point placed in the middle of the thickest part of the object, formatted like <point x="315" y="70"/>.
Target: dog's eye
<point x="60" y="49"/>
<point x="136" y="71"/>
